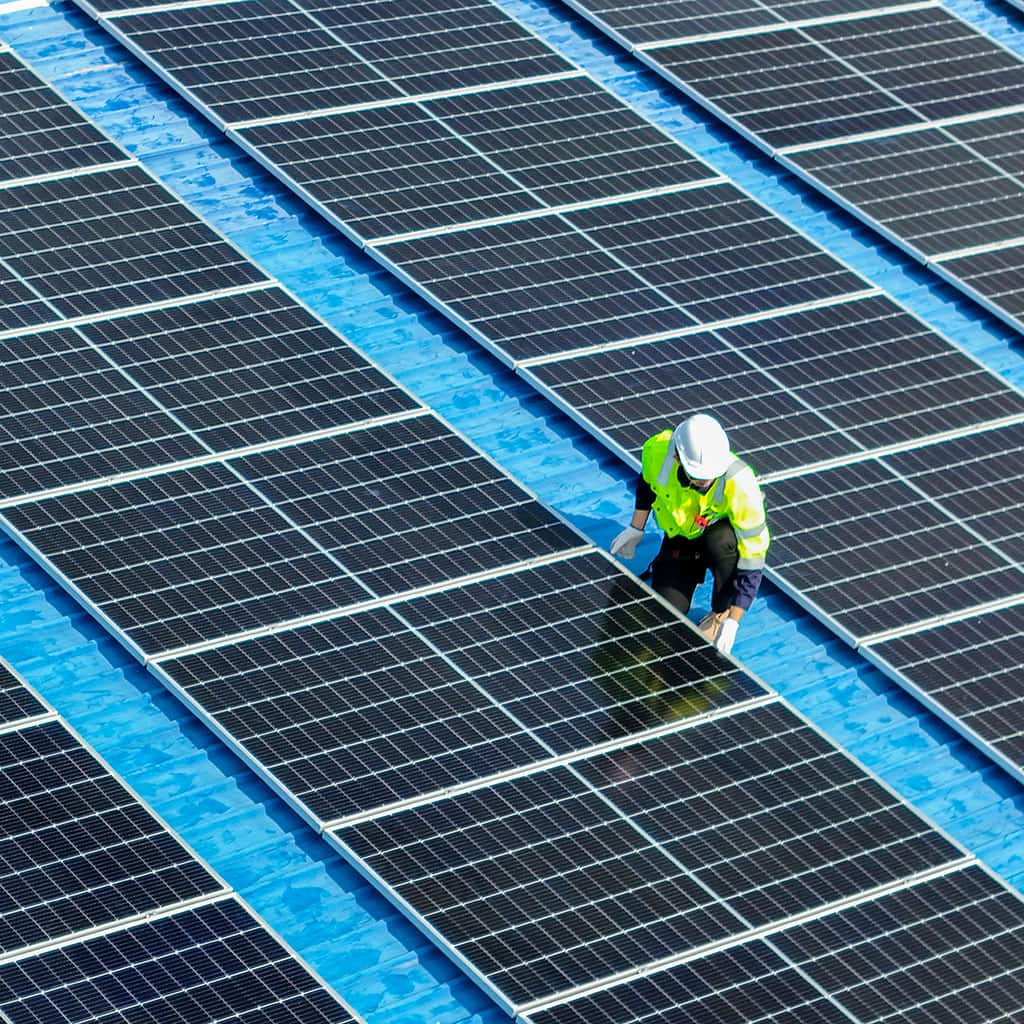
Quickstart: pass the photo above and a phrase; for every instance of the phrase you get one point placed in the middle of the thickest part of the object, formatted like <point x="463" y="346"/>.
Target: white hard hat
<point x="702" y="447"/>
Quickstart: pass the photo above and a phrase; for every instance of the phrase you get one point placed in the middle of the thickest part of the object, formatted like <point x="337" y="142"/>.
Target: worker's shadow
<point x="650" y="668"/>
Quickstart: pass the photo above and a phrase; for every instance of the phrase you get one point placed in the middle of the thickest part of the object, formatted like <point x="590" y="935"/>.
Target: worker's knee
<point x="677" y="598"/>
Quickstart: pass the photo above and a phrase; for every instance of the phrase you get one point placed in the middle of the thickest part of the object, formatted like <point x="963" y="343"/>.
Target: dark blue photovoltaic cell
<point x="978" y="480"/>
<point x="406" y="505"/>
<point x="933" y="193"/>
<point x="659" y="20"/>
<point x="254" y="59"/>
<point x="19" y="305"/>
<point x="996" y="276"/>
<point x="212" y="965"/>
<point x="247" y="369"/>
<point x="848" y="540"/>
<point x="782" y="87"/>
<point x="68" y="417"/>
<point x="42" y="134"/>
<point x="535" y="287"/>
<point x="877" y="372"/>
<point x="629" y="394"/>
<point x="354" y="714"/>
<point x="435" y="45"/>
<point x="77" y="850"/>
<point x="17" y="701"/>
<point x="716" y="252"/>
<point x="767" y="814"/>
<point x="569" y="141"/>
<point x="578" y="652"/>
<point x="748" y="984"/>
<point x="403" y="170"/>
<point x="539" y="884"/>
<point x="949" y="949"/>
<point x="971" y="670"/>
<point x="109" y="240"/>
<point x="184" y="557"/>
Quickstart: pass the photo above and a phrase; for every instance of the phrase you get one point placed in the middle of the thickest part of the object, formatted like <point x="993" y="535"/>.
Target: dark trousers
<point x="681" y="564"/>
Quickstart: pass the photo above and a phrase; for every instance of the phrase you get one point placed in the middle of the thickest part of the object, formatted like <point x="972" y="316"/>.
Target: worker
<point x="710" y="506"/>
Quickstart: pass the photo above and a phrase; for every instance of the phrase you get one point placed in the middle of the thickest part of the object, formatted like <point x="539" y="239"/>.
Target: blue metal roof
<point x="348" y="932"/>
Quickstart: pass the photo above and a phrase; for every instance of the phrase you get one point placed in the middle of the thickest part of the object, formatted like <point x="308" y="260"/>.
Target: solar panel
<point x="407" y="505"/>
<point x="782" y="87"/>
<point x="849" y="542"/>
<point x="871" y="956"/>
<point x="539" y="884"/>
<point x="943" y="949"/>
<point x="659" y="20"/>
<point x="42" y="135"/>
<point x="213" y="963"/>
<point x="20" y="306"/>
<point x="767" y="814"/>
<point x="354" y="714"/>
<point x="608" y="898"/>
<point x="403" y="170"/>
<point x="923" y="187"/>
<point x="978" y="480"/>
<point x="747" y="984"/>
<point x="578" y="652"/>
<point x="877" y="372"/>
<point x="248" y="369"/>
<point x="421" y="166"/>
<point x="438" y="45"/>
<point x="627" y="394"/>
<point x="993" y="276"/>
<point x="359" y="712"/>
<point x="79" y="851"/>
<point x="997" y="138"/>
<point x="716" y="252"/>
<point x="569" y="141"/>
<point x="69" y="417"/>
<point x="108" y="240"/>
<point x="183" y="557"/>
<point x="545" y="883"/>
<point x="794" y="389"/>
<point x="105" y="915"/>
<point x="254" y="59"/>
<point x="881" y="88"/>
<point x="17" y="701"/>
<point x="929" y="59"/>
<point x="533" y="287"/>
<point x="969" y="671"/>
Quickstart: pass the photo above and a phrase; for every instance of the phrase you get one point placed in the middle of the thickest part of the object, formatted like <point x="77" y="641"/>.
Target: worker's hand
<point x="726" y="635"/>
<point x="625" y="543"/>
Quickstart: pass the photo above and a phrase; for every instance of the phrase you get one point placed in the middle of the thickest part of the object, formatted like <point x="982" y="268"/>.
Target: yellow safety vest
<point x="682" y="511"/>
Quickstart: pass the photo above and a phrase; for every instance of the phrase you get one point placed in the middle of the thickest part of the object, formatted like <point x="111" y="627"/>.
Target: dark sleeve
<point x="644" y="494"/>
<point x="746" y="582"/>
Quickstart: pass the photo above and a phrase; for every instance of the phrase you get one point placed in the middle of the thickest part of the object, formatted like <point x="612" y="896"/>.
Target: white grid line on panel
<point x="798" y="23"/>
<point x="398" y="101"/>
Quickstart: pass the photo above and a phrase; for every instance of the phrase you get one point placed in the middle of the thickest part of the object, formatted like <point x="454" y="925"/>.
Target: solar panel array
<point x="906" y="114"/>
<point x="106" y="915"/>
<point x="630" y="284"/>
<point x="493" y="720"/>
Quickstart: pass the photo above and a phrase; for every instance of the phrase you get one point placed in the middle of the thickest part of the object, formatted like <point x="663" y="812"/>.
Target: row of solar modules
<point x="544" y="766"/>
<point x="105" y="915"/>
<point x="630" y="310"/>
<point x="906" y="114"/>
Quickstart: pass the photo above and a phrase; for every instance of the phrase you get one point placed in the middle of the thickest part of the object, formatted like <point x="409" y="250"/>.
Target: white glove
<point x="726" y="635"/>
<point x="626" y="542"/>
